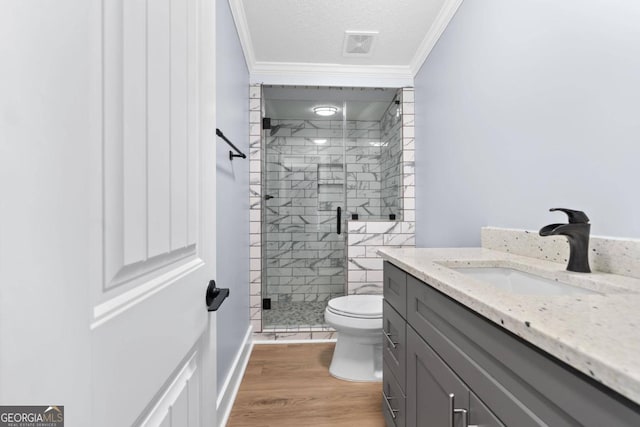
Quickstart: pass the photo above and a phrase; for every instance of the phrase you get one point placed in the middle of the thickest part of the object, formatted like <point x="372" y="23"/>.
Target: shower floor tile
<point x="294" y="314"/>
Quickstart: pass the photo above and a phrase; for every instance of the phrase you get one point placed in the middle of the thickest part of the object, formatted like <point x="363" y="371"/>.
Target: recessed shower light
<point x="325" y="110"/>
<point x="378" y="144"/>
<point x="320" y="141"/>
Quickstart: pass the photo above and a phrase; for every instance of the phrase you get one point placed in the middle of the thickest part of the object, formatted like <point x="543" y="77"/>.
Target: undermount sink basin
<point x="519" y="282"/>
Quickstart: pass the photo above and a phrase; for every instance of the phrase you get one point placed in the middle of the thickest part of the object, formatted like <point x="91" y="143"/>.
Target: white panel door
<point x="107" y="209"/>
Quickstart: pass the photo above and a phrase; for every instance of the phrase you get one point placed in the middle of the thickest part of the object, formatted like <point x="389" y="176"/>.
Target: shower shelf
<point x="330" y="174"/>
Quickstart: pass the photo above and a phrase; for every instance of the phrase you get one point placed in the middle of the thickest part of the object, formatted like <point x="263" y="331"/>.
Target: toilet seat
<point x="357" y="306"/>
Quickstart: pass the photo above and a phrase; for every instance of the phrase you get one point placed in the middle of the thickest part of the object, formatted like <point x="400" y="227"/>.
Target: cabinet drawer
<point x="393" y="400"/>
<point x="394" y="343"/>
<point x="395" y="288"/>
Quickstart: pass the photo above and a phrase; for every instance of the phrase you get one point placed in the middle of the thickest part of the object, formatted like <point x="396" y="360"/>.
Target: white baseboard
<point x="229" y="390"/>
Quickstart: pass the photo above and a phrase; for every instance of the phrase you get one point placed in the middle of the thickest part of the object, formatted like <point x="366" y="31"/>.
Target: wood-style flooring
<point x="287" y="385"/>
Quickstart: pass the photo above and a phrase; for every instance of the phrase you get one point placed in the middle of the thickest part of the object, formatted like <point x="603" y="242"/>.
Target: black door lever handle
<point x="215" y="296"/>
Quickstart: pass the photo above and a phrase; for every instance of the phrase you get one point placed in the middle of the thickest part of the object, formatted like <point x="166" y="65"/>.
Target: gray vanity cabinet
<point x="436" y="396"/>
<point x="433" y="390"/>
<point x="393" y="400"/>
<point x="395" y="288"/>
<point x="480" y="415"/>
<point x="461" y="369"/>
<point x="394" y="327"/>
<point x="394" y="342"/>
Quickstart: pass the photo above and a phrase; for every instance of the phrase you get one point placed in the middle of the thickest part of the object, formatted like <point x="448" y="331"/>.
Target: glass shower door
<point x="304" y="221"/>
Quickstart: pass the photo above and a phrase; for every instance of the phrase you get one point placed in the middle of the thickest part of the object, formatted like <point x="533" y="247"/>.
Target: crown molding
<point x="446" y="14"/>
<point x="242" y="27"/>
<point x="331" y="74"/>
<point x="339" y="74"/>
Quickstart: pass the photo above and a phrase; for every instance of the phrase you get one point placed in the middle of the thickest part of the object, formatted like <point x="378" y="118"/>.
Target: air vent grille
<point x="359" y="43"/>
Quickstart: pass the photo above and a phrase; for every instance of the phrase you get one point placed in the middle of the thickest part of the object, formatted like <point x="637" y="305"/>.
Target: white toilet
<point x="358" y="322"/>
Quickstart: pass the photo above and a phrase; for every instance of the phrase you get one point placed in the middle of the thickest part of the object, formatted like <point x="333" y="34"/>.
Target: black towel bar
<point x="231" y="153"/>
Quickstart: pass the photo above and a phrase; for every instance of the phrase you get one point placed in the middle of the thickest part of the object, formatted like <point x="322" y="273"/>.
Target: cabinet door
<point x="433" y="392"/>
<point x="395" y="343"/>
<point x="480" y="415"/>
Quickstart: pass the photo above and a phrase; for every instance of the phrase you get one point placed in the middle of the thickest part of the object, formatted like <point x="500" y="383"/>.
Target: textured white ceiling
<point x="309" y="34"/>
<point x="313" y="30"/>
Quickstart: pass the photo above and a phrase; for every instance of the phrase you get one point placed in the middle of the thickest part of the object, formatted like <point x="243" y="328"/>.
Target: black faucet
<point x="577" y="232"/>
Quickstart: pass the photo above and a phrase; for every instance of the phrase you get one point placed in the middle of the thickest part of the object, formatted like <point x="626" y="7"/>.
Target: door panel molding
<point x="176" y="406"/>
<point x="125" y="301"/>
<point x="142" y="347"/>
<point x="149" y="146"/>
<point x="131" y="272"/>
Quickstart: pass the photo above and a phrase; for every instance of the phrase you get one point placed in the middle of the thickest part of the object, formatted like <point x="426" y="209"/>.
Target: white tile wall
<point x="255" y="200"/>
<point x="364" y="237"/>
<point x="364" y="265"/>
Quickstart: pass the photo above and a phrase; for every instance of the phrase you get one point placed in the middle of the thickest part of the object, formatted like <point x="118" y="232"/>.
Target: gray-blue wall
<point x="232" y="215"/>
<point x="527" y="105"/>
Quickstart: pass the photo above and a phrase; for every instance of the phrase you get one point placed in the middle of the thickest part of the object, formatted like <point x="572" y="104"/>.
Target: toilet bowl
<point x="357" y="320"/>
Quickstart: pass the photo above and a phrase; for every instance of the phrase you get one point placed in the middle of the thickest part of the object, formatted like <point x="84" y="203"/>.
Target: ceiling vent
<point x="359" y="43"/>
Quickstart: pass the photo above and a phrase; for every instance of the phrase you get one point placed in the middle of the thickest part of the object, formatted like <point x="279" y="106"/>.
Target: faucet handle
<point x="575" y="217"/>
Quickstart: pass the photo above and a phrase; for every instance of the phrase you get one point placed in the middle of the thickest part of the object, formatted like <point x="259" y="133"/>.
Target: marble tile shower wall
<point x="306" y="180"/>
<point x="366" y="239"/>
<point x="363" y="162"/>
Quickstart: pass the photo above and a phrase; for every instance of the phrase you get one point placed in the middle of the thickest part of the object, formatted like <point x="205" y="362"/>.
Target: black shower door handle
<point x="338" y="216"/>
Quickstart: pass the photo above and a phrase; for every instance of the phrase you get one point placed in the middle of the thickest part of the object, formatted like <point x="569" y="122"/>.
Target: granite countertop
<point x="598" y="334"/>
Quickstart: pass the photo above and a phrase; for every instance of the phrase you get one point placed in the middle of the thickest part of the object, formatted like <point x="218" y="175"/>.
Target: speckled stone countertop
<point x="598" y="334"/>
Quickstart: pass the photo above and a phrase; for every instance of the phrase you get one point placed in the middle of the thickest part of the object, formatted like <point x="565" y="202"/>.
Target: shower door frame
<point x="263" y="216"/>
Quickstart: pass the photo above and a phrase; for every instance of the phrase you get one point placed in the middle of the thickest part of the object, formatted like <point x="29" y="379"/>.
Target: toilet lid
<point x="364" y="306"/>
